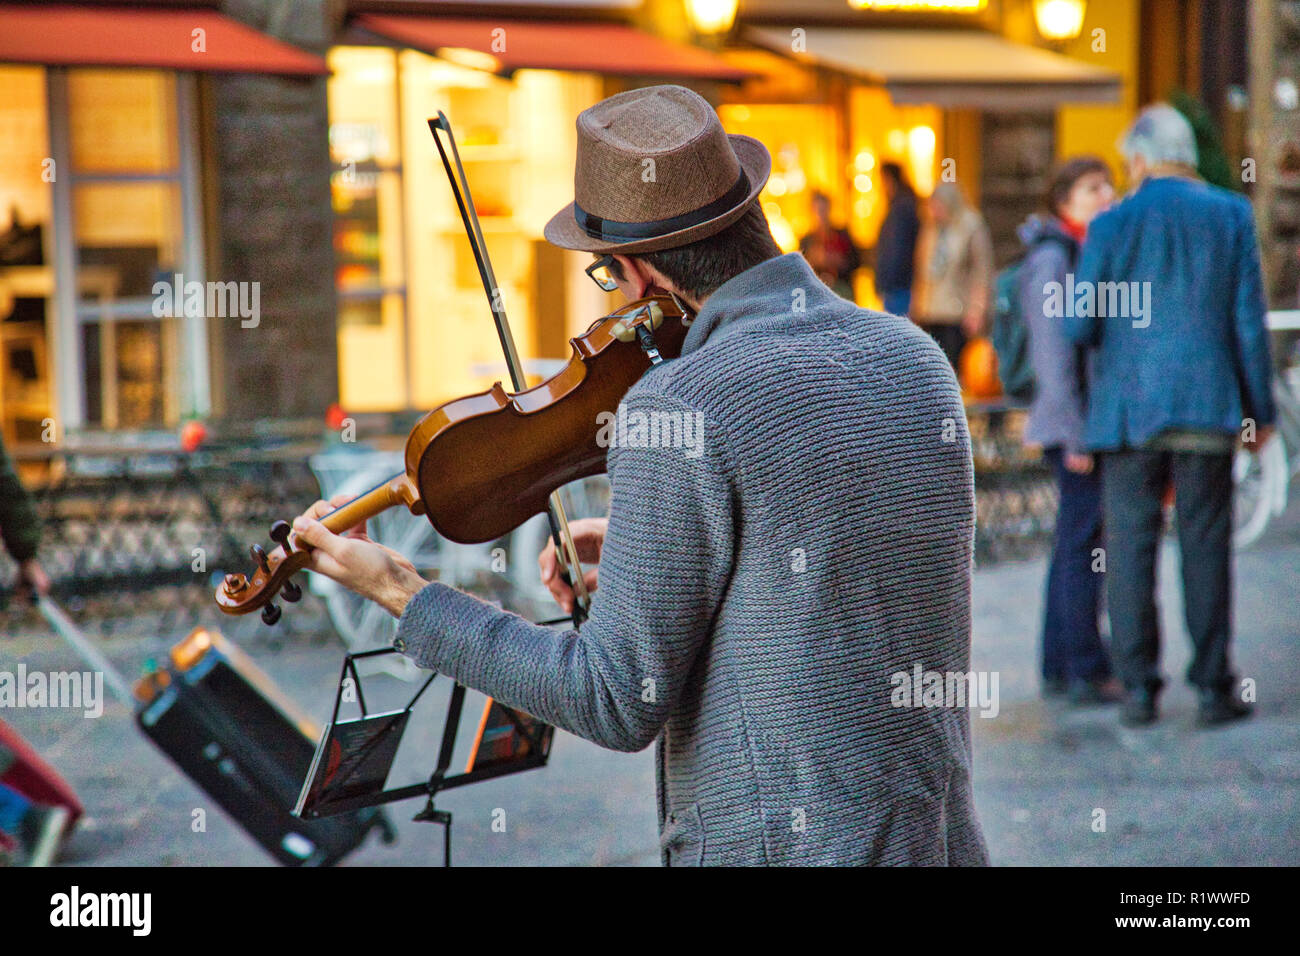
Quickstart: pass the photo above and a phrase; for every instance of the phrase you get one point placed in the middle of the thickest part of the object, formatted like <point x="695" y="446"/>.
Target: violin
<point x="479" y="466"/>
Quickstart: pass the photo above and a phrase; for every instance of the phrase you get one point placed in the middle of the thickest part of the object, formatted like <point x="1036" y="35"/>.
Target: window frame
<point x="187" y="387"/>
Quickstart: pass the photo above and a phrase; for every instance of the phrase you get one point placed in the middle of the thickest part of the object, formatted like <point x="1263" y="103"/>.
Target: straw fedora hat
<point x="655" y="170"/>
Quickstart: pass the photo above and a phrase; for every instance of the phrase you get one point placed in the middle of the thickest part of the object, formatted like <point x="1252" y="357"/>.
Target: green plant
<point x="1212" y="159"/>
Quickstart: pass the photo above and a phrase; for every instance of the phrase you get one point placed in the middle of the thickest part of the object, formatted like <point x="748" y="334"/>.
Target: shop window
<point x="810" y="152"/>
<point x="26" y="281"/>
<point x="453" y="328"/>
<point x="883" y="132"/>
<point x="366" y="192"/>
<point x="366" y="189"/>
<point x="814" y="137"/>
<point x="126" y="210"/>
<point x="414" y="325"/>
<point x="805" y="157"/>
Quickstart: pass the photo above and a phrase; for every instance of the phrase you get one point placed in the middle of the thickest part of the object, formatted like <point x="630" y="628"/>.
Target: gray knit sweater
<point x="761" y="584"/>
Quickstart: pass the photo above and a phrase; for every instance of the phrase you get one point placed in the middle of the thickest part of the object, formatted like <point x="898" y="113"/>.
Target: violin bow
<point x="565" y="549"/>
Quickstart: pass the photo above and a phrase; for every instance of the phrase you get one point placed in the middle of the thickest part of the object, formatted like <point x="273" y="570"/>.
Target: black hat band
<point x="611" y="230"/>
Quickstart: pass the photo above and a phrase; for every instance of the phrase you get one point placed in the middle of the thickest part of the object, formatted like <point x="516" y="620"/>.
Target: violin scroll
<point x="245" y="593"/>
<point x="242" y="593"/>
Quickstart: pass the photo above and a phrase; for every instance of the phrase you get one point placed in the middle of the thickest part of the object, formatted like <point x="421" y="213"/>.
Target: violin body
<point x="487" y="463"/>
<point x="479" y="466"/>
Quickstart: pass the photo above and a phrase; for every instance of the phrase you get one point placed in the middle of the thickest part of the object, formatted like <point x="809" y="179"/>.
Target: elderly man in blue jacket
<point x="1169" y="297"/>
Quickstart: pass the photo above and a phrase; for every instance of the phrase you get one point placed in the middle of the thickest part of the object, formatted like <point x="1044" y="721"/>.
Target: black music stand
<point x="353" y="759"/>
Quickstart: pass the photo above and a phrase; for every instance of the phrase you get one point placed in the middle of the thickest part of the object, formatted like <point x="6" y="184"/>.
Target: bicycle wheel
<point x="361" y="624"/>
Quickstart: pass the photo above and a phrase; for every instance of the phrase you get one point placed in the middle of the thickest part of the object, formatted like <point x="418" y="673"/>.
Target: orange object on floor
<point x="978" y="369"/>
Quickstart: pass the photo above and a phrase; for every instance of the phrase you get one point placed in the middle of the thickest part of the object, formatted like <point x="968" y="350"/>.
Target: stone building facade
<point x="1018" y="153"/>
<point x="270" y="146"/>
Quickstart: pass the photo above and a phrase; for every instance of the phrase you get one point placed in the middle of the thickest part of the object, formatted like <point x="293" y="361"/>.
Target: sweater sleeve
<point x="664" y="567"/>
<point x="19" y="525"/>
<point x="1059" y="388"/>
<point x="1250" y="330"/>
<point x="982" y="271"/>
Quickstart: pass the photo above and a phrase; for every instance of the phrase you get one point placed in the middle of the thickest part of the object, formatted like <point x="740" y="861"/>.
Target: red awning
<point x="66" y="35"/>
<point x="584" y="46"/>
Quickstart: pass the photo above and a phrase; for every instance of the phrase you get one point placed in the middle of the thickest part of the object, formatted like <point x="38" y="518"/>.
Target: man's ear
<point x="637" y="273"/>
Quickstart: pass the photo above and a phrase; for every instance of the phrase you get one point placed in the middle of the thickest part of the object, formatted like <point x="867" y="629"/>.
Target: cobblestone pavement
<point x="1171" y="794"/>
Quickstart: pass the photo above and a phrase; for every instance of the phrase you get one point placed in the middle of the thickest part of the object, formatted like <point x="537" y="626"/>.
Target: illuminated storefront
<point x="101" y="198"/>
<point x="102" y="163"/>
<point x="414" y="325"/>
<point x="975" y="90"/>
<point x="836" y="147"/>
<point x="848" y="86"/>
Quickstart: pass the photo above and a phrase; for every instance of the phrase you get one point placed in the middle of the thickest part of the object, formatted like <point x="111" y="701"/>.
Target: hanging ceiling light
<point x="1059" y="19"/>
<point x="711" y="16"/>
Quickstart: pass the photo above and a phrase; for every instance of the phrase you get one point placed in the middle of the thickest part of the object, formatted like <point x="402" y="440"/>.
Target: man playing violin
<point x="759" y="590"/>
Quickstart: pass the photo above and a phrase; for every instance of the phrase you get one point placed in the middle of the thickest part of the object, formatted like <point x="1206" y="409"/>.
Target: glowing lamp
<point x="711" y="16"/>
<point x="1059" y="20"/>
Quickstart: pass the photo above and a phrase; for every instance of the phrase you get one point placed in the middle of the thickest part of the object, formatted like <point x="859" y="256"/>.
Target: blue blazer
<point x="1182" y="342"/>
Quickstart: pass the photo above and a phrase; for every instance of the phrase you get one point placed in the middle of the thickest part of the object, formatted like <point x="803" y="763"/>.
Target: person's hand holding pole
<point x="31" y="574"/>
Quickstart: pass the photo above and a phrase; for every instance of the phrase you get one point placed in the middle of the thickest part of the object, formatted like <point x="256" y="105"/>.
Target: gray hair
<point x="950" y="195"/>
<point x="1160" y="134"/>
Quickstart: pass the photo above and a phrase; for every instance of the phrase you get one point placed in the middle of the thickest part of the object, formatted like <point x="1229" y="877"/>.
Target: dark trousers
<point x="1135" y="483"/>
<point x="1072" y="647"/>
<point x="951" y="338"/>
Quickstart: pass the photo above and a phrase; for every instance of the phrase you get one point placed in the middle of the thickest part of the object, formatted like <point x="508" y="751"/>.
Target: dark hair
<point x="1069" y="173"/>
<point x="701" y="266"/>
<point x="893" y="171"/>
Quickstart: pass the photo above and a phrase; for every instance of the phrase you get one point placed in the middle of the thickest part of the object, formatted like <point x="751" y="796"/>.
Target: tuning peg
<point x="270" y="614"/>
<point x="259" y="555"/>
<point x="280" y="535"/>
<point x="291" y="592"/>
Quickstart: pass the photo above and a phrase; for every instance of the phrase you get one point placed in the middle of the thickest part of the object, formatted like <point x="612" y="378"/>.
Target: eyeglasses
<point x="601" y="275"/>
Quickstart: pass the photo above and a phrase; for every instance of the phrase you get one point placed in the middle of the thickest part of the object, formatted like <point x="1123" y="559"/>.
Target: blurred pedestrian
<point x="957" y="271"/>
<point x="1074" y="659"/>
<point x="20" y="528"/>
<point x="896" y="244"/>
<point x="1181" y="373"/>
<point x="31" y="831"/>
<point x="830" y="251"/>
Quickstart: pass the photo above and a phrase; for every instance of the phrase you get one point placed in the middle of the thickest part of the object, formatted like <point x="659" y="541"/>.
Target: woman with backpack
<point x="1075" y="662"/>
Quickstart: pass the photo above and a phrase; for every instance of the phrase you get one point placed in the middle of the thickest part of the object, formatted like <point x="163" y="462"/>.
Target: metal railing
<point x="127" y="517"/>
